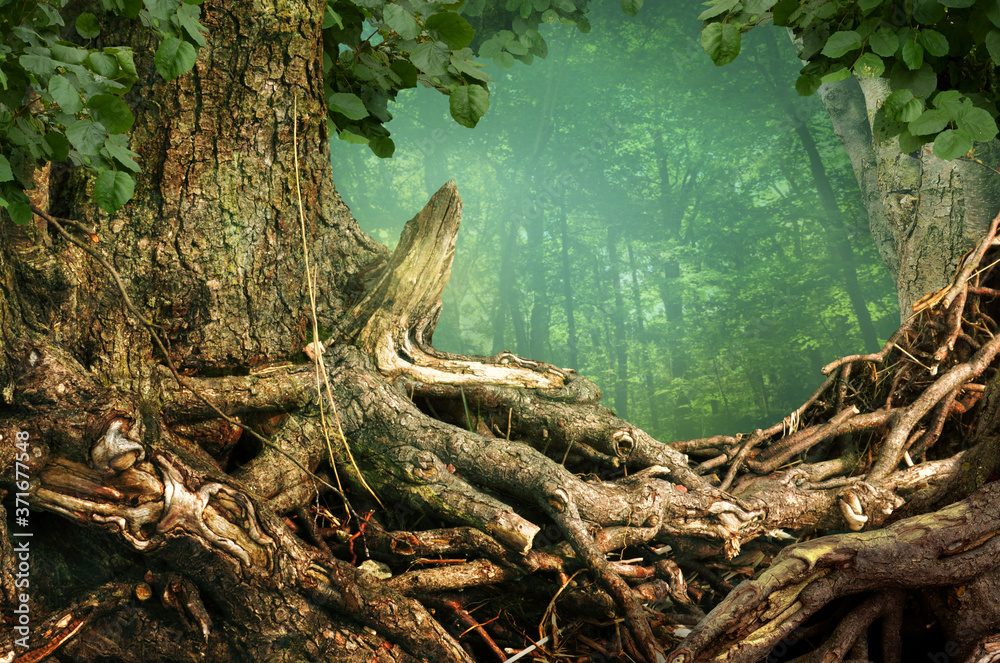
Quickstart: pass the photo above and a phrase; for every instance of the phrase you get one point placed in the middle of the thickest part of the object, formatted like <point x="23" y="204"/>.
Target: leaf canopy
<point x="926" y="49"/>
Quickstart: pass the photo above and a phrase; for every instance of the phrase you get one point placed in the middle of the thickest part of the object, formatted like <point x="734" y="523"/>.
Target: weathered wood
<point x="394" y="320"/>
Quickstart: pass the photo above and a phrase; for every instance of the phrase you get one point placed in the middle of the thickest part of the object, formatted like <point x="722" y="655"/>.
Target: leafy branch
<point x="938" y="57"/>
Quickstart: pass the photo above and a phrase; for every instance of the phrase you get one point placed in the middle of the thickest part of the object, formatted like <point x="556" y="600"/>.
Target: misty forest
<point x="499" y="330"/>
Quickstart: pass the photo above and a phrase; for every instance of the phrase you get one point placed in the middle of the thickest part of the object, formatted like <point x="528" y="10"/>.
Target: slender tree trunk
<point x="567" y="278"/>
<point x="836" y="234"/>
<point x="643" y="338"/>
<point x="620" y="339"/>
<point x="675" y="195"/>
<point x="540" y="320"/>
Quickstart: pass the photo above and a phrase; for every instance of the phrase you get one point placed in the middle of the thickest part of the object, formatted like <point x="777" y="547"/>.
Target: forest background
<point x="689" y="237"/>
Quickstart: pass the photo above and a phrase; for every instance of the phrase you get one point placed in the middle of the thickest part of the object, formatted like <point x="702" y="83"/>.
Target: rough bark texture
<point x="925" y="213"/>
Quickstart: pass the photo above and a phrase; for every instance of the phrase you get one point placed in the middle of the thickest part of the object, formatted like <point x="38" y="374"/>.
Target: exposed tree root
<point x="542" y="481"/>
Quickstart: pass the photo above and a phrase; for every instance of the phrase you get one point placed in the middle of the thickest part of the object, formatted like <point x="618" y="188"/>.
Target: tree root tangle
<point x="500" y="469"/>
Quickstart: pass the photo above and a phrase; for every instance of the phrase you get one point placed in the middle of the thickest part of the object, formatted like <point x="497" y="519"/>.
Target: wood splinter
<point x="394" y="320"/>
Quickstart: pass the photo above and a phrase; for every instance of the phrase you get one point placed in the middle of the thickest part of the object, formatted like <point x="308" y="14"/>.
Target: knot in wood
<point x="116" y="451"/>
<point x="559" y="499"/>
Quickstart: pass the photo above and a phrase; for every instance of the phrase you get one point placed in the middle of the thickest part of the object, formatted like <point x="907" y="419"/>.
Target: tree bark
<point x="925" y="213"/>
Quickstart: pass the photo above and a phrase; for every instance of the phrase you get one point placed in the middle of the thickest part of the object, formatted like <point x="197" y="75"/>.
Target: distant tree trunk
<point x="572" y="343"/>
<point x="620" y="339"/>
<point x="643" y="347"/>
<point x="505" y="306"/>
<point x="539" y="325"/>
<point x="841" y="250"/>
<point x="833" y="219"/>
<point x="675" y="195"/>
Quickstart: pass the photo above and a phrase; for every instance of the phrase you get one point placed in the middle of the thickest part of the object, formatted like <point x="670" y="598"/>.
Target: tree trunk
<point x="572" y="343"/>
<point x="618" y="315"/>
<point x="925" y="213"/>
<point x="641" y="335"/>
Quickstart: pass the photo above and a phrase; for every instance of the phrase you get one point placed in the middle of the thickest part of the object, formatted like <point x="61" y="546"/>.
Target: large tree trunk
<point x="224" y="491"/>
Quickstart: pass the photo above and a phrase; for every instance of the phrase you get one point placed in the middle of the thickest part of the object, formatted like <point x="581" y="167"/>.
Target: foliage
<point x="376" y="48"/>
<point x="938" y="56"/>
<point x="61" y="95"/>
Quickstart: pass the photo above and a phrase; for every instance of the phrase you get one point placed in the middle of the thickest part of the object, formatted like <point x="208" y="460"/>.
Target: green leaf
<point x="468" y="104"/>
<point x="112" y="190"/>
<point x="406" y="71"/>
<point x="884" y="42"/>
<point x="950" y="100"/>
<point x="490" y="48"/>
<point x="977" y="123"/>
<point x="103" y="65"/>
<point x="992" y="8"/>
<point x="807" y="84"/>
<point x="64" y="94"/>
<point x="901" y="106"/>
<point x="125" y="62"/>
<point x="952" y="144"/>
<point x="935" y="42"/>
<point x="187" y="18"/>
<point x="349" y="136"/>
<point x="632" y="7"/>
<point x="349" y="105"/>
<point x="841" y="42"/>
<point x="332" y="18"/>
<point x="836" y="75"/>
<point x="721" y="41"/>
<point x="451" y="28"/>
<point x="131" y="8"/>
<point x="717" y="8"/>
<point x="162" y="10"/>
<point x="122" y="155"/>
<point x="913" y="55"/>
<point x="86" y="136"/>
<point x="401" y="21"/>
<point x="174" y="58"/>
<point x="757" y="6"/>
<point x="783" y="10"/>
<point x="868" y="5"/>
<point x="993" y="46"/>
<point x="58" y="145"/>
<point x="112" y="112"/>
<point x="87" y="25"/>
<point x="69" y="54"/>
<point x="931" y="121"/>
<point x="6" y="174"/>
<point x="504" y="60"/>
<point x="468" y="67"/>
<point x="921" y="82"/>
<point x="40" y="65"/>
<point x="20" y="213"/>
<point x="382" y="146"/>
<point x="908" y="142"/>
<point x="957" y="4"/>
<point x="869" y="65"/>
<point x="517" y="48"/>
<point x="928" y="12"/>
<point x="432" y="58"/>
